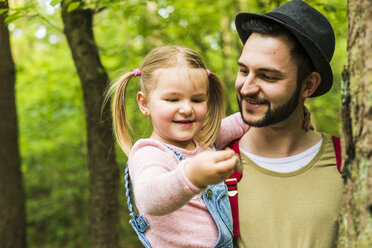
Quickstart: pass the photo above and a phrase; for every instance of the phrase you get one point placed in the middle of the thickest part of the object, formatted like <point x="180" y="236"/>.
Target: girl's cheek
<point x="203" y="112"/>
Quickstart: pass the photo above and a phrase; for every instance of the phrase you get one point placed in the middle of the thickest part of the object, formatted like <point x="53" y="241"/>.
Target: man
<point x="291" y="190"/>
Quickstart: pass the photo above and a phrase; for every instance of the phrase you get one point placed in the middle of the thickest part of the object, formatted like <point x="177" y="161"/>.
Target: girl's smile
<point x="184" y="123"/>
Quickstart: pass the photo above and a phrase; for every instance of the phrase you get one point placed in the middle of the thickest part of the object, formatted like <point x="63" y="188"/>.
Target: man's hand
<point x="210" y="167"/>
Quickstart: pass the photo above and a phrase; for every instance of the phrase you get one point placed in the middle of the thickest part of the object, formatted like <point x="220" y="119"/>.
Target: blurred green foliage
<point x="50" y="101"/>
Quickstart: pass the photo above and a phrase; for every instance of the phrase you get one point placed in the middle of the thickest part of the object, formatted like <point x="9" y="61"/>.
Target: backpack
<point x="232" y="181"/>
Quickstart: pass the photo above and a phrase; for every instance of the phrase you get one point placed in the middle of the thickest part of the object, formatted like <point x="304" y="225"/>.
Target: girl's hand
<point x="211" y="167"/>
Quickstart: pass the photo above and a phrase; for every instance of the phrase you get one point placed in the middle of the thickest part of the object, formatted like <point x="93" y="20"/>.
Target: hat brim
<point x="319" y="60"/>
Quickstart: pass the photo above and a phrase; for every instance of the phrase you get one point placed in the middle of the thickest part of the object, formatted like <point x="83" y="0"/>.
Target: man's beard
<point x="276" y="115"/>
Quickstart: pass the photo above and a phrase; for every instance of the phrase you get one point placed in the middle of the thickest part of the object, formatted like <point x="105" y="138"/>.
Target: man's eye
<point x="266" y="77"/>
<point x="243" y="71"/>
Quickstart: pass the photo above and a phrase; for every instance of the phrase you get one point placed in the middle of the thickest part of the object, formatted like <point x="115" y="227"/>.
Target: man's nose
<point x="250" y="86"/>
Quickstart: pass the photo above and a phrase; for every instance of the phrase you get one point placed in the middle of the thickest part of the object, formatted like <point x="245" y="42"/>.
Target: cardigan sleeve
<point x="232" y="127"/>
<point x="160" y="184"/>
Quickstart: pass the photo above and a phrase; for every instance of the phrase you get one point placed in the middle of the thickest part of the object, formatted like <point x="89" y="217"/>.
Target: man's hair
<point x="298" y="53"/>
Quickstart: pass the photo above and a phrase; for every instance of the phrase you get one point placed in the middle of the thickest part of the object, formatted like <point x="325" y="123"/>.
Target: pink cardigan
<point x="172" y="205"/>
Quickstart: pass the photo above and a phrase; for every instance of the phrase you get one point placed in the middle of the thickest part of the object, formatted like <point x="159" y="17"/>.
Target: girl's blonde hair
<point x="165" y="57"/>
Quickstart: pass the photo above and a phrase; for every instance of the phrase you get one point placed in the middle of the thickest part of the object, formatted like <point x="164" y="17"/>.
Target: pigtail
<point x="121" y="124"/>
<point x="212" y="124"/>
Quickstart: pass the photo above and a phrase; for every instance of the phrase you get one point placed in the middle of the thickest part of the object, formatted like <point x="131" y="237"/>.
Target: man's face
<point x="266" y="82"/>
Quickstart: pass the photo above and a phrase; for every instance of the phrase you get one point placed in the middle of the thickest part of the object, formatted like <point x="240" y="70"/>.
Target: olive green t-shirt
<point x="290" y="210"/>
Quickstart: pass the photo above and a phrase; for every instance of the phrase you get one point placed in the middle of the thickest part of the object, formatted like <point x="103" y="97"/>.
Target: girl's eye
<point x="171" y="100"/>
<point x="198" y="100"/>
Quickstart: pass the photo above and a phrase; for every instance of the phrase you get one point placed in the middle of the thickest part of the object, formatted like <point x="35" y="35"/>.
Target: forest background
<point x="50" y="104"/>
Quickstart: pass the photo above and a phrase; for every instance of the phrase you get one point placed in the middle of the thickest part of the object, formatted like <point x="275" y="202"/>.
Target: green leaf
<point x="11" y="18"/>
<point x="87" y="6"/>
<point x="330" y="7"/>
<point x="55" y="2"/>
<point x="73" y="6"/>
<point x="3" y="10"/>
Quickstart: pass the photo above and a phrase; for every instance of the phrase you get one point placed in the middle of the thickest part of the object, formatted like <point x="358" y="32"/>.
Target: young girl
<point x="177" y="175"/>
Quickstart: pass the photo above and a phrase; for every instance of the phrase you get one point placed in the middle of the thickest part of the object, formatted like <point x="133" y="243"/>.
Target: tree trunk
<point x="12" y="197"/>
<point x="356" y="214"/>
<point x="104" y="173"/>
<point x="228" y="44"/>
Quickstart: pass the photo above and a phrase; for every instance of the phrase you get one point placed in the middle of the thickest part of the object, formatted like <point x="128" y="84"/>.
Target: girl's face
<point x="177" y="105"/>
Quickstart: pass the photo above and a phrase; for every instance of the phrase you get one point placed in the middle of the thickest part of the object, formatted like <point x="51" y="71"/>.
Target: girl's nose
<point x="186" y="109"/>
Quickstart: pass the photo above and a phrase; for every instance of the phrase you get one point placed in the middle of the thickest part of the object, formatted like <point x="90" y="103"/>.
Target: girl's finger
<point x="223" y="155"/>
<point x="227" y="164"/>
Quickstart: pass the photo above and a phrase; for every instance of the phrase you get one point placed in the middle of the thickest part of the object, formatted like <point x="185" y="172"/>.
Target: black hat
<point x="312" y="30"/>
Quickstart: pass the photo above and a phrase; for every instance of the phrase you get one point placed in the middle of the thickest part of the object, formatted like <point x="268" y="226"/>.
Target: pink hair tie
<point x="208" y="72"/>
<point x="137" y="72"/>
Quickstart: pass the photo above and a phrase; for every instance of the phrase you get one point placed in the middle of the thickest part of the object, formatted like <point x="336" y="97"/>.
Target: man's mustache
<point x="252" y="99"/>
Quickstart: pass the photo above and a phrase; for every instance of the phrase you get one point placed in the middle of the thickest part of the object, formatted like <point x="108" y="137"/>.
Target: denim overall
<point x="216" y="199"/>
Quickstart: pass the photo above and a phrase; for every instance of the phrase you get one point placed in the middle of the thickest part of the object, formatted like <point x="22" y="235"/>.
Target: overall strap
<point x="337" y="145"/>
<point x="179" y="156"/>
<point x="128" y="193"/>
<point x="139" y="221"/>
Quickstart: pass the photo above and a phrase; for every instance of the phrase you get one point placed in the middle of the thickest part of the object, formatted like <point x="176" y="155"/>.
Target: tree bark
<point x="12" y="197"/>
<point x="356" y="214"/>
<point x="104" y="173"/>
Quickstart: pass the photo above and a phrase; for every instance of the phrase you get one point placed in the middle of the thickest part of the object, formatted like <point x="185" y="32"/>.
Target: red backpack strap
<point x="337" y="145"/>
<point x="232" y="187"/>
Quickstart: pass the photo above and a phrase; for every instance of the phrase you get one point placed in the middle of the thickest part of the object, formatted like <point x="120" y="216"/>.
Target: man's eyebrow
<point x="241" y="64"/>
<point x="265" y="69"/>
<point x="271" y="70"/>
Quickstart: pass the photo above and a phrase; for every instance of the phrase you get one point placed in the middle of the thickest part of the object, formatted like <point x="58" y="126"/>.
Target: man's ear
<point x="310" y="84"/>
<point x="143" y="103"/>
